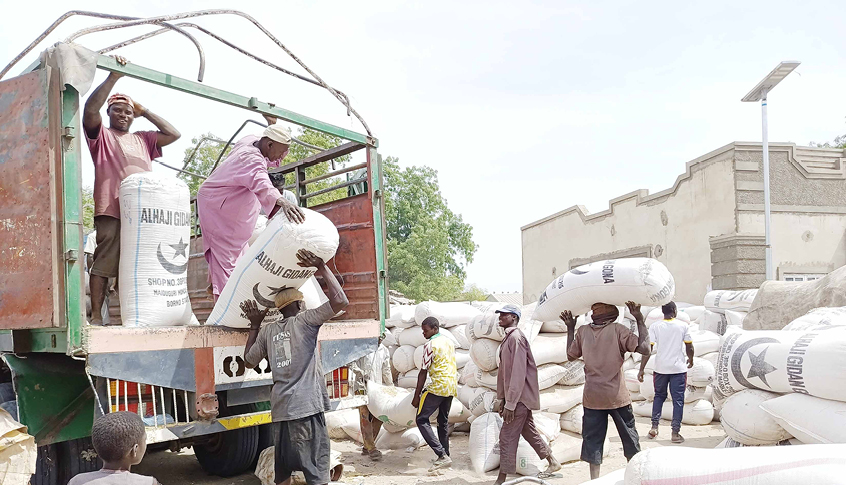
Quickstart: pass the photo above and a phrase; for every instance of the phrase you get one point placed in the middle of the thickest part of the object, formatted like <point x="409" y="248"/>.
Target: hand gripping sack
<point x="768" y="465"/>
<point x="155" y="235"/>
<point x="641" y="280"/>
<point x="271" y="264"/>
<point x="747" y="423"/>
<point x="784" y="361"/>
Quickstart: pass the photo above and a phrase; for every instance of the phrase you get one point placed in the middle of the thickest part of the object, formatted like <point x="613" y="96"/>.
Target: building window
<point x="797" y="277"/>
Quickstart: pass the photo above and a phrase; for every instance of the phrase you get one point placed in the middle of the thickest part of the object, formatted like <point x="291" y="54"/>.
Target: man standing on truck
<point x="116" y="153"/>
<point x="229" y="201"/>
<point x="299" y="398"/>
<point x="604" y="344"/>
<point x="674" y="344"/>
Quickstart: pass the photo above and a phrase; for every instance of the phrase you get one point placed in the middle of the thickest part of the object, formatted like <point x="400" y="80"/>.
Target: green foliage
<point x="474" y="293"/>
<point x="428" y="244"/>
<point x="202" y="162"/>
<point x="298" y="152"/>
<point x="839" y="142"/>
<point x="87" y="209"/>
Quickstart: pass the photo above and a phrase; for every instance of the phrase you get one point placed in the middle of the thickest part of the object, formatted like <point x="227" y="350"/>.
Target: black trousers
<point x="429" y="403"/>
<point x="595" y="427"/>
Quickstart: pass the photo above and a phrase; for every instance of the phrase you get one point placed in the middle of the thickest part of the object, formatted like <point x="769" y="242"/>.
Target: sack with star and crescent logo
<point x="805" y="362"/>
<point x="155" y="236"/>
<point x="641" y="280"/>
<point x="270" y="265"/>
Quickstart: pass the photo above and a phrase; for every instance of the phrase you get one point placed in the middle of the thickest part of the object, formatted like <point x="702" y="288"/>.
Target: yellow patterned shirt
<point x="439" y="360"/>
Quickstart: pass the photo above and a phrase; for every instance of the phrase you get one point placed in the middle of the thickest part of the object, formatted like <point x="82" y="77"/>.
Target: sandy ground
<point x="404" y="468"/>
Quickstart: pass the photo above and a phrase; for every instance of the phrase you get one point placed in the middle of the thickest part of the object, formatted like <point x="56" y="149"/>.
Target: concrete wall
<point x="709" y="227"/>
<point x="808" y="197"/>
<point x="673" y="226"/>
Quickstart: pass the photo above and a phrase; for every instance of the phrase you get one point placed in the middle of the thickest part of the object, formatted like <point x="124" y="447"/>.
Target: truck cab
<point x="190" y="384"/>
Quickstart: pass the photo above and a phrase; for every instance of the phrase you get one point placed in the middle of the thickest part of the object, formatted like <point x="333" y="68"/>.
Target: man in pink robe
<point x="230" y="200"/>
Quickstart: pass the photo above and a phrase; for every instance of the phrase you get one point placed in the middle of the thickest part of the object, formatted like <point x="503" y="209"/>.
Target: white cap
<point x="277" y="133"/>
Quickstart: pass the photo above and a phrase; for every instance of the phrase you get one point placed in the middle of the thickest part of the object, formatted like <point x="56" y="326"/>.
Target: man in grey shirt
<point x="299" y="398"/>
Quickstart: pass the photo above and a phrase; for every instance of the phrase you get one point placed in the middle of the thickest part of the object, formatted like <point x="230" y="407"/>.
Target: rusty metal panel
<point x="27" y="239"/>
<point x="355" y="260"/>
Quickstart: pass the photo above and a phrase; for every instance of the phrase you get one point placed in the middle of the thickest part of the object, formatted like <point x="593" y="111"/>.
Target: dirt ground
<point x="400" y="467"/>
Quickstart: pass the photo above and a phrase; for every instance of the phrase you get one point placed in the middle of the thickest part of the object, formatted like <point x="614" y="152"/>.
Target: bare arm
<point x="570" y="321"/>
<point x="642" y="331"/>
<point x="689" y="347"/>
<point x="250" y="308"/>
<point x="337" y="298"/>
<point x="167" y="133"/>
<point x="643" y="362"/>
<point x="421" y="381"/>
<point x="91" y="119"/>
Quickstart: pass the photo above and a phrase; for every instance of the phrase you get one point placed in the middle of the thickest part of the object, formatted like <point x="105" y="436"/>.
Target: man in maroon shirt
<point x="517" y="395"/>
<point x="116" y="153"/>
<point x="603" y="344"/>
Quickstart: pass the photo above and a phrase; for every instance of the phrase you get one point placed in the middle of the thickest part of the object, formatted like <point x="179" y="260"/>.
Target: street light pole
<point x="768" y="249"/>
<point x="759" y="93"/>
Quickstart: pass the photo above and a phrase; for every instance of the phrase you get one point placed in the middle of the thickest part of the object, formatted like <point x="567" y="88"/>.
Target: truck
<point x="190" y="384"/>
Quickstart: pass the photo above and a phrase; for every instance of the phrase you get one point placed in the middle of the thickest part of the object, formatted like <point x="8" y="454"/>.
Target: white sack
<point x="261" y="225"/>
<point x="460" y="334"/>
<point x="819" y="319"/>
<point x="713" y="358"/>
<point x="448" y="314"/>
<point x="410" y="438"/>
<point x="554" y="326"/>
<point x="745" y="422"/>
<point x="784" y="361"/>
<point x="700" y="375"/>
<point x="550" y="375"/>
<point x="467" y="375"/>
<point x="810" y="419"/>
<point x="704" y="342"/>
<point x="478" y="400"/>
<point x="560" y="399"/>
<point x="730" y="443"/>
<point x="574" y="373"/>
<point x="155" y="238"/>
<point x="780" y="302"/>
<point x="403" y="358"/>
<point x="572" y="420"/>
<point x="697" y="413"/>
<point x="484" y="442"/>
<point x="462" y="358"/>
<point x="642" y="280"/>
<point x="18" y="452"/>
<point x="485" y="325"/>
<point x="779" y="465"/>
<point x="402" y="316"/>
<point x="720" y="300"/>
<point x="313" y="295"/>
<point x="693" y="312"/>
<point x="632" y="384"/>
<point x="550" y="348"/>
<point x="487" y="379"/>
<point x="617" y="477"/>
<point x="338" y="421"/>
<point x="657" y="315"/>
<point x="391" y="404"/>
<point x="409" y="379"/>
<point x="484" y="353"/>
<point x="271" y="263"/>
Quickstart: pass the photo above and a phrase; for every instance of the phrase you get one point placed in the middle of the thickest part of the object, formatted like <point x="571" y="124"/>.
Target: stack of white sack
<point x="406" y="335"/>
<point x="485" y="450"/>
<point x="698" y="409"/>
<point x="774" y="385"/>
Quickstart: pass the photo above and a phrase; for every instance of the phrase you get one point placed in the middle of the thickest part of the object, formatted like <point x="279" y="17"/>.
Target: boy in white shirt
<point x="672" y="337"/>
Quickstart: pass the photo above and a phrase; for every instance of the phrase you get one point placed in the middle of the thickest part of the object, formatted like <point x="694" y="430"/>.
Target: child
<point x="120" y="440"/>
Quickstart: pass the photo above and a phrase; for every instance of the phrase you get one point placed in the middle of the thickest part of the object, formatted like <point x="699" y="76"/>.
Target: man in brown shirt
<point x="517" y="395"/>
<point x="603" y="345"/>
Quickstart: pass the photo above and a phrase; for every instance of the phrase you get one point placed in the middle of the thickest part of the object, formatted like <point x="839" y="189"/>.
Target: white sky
<point x="524" y="108"/>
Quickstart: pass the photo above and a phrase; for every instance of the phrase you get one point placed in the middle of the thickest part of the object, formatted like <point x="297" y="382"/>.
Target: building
<point x="708" y="228"/>
<point x="514" y="298"/>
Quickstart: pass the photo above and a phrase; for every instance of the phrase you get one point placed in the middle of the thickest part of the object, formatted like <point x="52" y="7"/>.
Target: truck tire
<point x="75" y="457"/>
<point x="265" y="431"/>
<point x="232" y="452"/>
<point x="46" y="466"/>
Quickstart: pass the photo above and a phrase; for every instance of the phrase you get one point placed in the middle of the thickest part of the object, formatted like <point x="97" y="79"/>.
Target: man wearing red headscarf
<point x="116" y="153"/>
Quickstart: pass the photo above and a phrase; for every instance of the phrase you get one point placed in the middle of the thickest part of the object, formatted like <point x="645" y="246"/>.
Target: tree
<point x="428" y="244"/>
<point x="202" y="162"/>
<point x="87" y="209"/>
<point x="839" y="142"/>
<point x="474" y="293"/>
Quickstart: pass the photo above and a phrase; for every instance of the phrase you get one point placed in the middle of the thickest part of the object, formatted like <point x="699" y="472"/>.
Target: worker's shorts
<point x="107" y="254"/>
<point x="302" y="445"/>
<point x="595" y="426"/>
